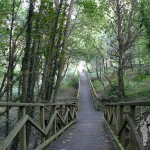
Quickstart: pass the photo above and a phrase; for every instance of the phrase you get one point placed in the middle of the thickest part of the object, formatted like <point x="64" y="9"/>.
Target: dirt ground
<point x="67" y="94"/>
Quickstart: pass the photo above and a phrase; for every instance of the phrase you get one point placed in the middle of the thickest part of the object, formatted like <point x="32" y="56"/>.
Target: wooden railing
<point x="78" y="96"/>
<point x="121" y="117"/>
<point x="61" y="116"/>
<point x="96" y="100"/>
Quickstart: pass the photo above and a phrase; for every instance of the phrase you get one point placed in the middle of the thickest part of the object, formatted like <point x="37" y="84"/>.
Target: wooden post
<point x="121" y="138"/>
<point x="54" y="123"/>
<point x="115" y="110"/>
<point x="42" y="122"/>
<point x="67" y="116"/>
<point x="111" y="111"/>
<point x="104" y="112"/>
<point x="22" y="133"/>
<point x="61" y="114"/>
<point x="71" y="110"/>
<point x="132" y="143"/>
<point x="107" y="112"/>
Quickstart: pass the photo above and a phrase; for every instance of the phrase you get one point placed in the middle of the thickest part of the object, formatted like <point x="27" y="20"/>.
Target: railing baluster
<point x="67" y="116"/>
<point x="107" y="111"/>
<point x="124" y="120"/>
<point x="22" y="133"/>
<point x="132" y="143"/>
<point x="115" y="110"/>
<point x="42" y="122"/>
<point x="121" y="138"/>
<point x="111" y="111"/>
<point x="54" y="123"/>
<point x="61" y="114"/>
<point x="71" y="110"/>
<point x="20" y="128"/>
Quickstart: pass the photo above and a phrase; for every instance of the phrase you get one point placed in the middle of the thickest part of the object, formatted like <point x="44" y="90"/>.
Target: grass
<point x="137" y="88"/>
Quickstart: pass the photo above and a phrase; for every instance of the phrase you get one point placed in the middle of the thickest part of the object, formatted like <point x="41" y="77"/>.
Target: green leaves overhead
<point x="145" y="18"/>
<point x="89" y="7"/>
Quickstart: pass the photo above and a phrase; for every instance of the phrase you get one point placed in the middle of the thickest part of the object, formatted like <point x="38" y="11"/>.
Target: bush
<point x="70" y="81"/>
<point x="96" y="85"/>
<point x="142" y="75"/>
<point x="73" y="81"/>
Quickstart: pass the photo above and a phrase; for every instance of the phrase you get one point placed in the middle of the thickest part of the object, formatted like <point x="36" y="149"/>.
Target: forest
<point x="43" y="42"/>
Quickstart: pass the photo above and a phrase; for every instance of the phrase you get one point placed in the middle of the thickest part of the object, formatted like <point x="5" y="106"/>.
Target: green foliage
<point x="97" y="85"/>
<point x="142" y="75"/>
<point x="145" y="17"/>
<point x="74" y="82"/>
<point x="70" y="82"/>
<point x="89" y="31"/>
<point x="137" y="88"/>
<point x="89" y="7"/>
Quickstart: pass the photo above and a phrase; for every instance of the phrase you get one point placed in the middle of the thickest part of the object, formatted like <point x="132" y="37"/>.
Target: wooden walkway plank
<point x="89" y="132"/>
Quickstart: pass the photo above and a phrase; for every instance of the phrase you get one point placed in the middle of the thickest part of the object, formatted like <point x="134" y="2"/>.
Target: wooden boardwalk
<point x="89" y="131"/>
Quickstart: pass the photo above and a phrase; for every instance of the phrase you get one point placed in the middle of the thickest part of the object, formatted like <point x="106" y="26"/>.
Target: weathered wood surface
<point x="89" y="132"/>
<point x="118" y="122"/>
<point x="66" y="117"/>
<point x="12" y="104"/>
<point x="133" y="103"/>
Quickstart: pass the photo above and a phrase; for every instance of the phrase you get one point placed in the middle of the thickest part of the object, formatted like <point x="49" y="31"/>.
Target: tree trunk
<point x="27" y="54"/>
<point x="121" y="90"/>
<point x="64" y="46"/>
<point x="10" y="68"/>
<point x="26" y="60"/>
<point x="44" y="91"/>
<point x="121" y="79"/>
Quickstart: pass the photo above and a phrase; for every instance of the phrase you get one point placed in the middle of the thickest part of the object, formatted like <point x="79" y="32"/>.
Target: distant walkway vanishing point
<point x="89" y="131"/>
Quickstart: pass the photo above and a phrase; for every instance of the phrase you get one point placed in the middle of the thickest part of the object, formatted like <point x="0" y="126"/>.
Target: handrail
<point x="117" y="121"/>
<point x="13" y="104"/>
<point x="94" y="94"/>
<point x="63" y="114"/>
<point x="133" y="103"/>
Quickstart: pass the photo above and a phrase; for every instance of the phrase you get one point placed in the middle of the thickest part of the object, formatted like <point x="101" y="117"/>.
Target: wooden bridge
<point x="87" y="125"/>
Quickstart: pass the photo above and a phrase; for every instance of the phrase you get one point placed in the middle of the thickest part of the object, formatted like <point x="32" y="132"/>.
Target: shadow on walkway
<point x="89" y="131"/>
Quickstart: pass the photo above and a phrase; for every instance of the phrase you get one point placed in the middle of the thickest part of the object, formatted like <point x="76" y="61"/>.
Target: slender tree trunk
<point x="75" y="68"/>
<point x="64" y="46"/>
<point x="26" y="58"/>
<point x="49" y="60"/>
<point x="99" y="75"/>
<point x="10" y="68"/>
<point x="120" y="52"/>
<point x="121" y="79"/>
<point x="34" y="59"/>
<point x="3" y="83"/>
<point x="88" y="68"/>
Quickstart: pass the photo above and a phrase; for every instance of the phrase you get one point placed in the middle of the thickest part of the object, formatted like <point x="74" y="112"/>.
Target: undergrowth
<point x="137" y="88"/>
<point x="70" y="81"/>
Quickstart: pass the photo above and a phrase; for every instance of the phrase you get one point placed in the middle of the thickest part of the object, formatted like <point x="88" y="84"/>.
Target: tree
<point x="64" y="47"/>
<point x="122" y="35"/>
<point x="145" y="18"/>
